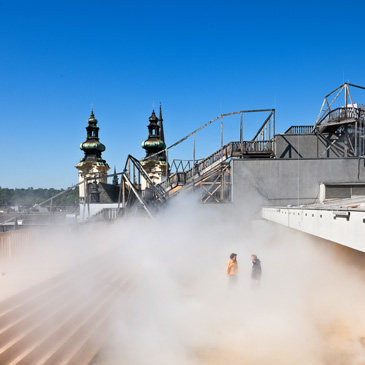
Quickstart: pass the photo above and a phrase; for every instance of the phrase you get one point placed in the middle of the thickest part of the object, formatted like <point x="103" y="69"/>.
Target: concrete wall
<point x="283" y="182"/>
<point x="321" y="223"/>
<point x="305" y="146"/>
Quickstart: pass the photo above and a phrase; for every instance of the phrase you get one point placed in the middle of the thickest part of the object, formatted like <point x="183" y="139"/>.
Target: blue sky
<point x="198" y="58"/>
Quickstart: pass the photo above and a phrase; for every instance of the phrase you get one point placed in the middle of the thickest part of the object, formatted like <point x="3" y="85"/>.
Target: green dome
<point x="155" y="145"/>
<point x="90" y="146"/>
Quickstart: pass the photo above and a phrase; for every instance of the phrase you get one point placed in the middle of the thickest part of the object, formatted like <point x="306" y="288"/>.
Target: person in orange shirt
<point x="232" y="269"/>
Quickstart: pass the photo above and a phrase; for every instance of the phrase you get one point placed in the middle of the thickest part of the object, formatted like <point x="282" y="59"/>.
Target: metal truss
<point x="345" y="125"/>
<point x="215" y="186"/>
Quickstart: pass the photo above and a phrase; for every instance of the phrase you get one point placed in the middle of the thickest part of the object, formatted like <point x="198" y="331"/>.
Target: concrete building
<point x="317" y="183"/>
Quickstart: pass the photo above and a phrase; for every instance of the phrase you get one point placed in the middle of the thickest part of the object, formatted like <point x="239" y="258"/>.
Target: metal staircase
<point x="188" y="173"/>
<point x="346" y="123"/>
<point x="211" y="174"/>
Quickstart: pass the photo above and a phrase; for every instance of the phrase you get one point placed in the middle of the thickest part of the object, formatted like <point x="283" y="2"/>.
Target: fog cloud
<point x="309" y="308"/>
<point x="177" y="308"/>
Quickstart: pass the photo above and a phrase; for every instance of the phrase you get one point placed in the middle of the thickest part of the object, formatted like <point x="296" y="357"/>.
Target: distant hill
<point x="30" y="196"/>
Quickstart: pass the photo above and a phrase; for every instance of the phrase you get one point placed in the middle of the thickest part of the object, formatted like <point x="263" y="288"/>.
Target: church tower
<point x="92" y="165"/>
<point x="155" y="160"/>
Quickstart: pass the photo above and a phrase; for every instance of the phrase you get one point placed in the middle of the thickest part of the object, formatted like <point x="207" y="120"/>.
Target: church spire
<point x="115" y="177"/>
<point x="92" y="147"/>
<point x="160" y="122"/>
<point x="154" y="144"/>
<point x="92" y="165"/>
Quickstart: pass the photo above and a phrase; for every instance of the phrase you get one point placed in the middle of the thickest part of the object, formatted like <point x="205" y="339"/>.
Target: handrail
<point x="263" y="128"/>
<point x="158" y="190"/>
<point x="178" y="165"/>
<point x="341" y="114"/>
<point x="272" y="114"/>
<point x="141" y="200"/>
<point x="300" y="129"/>
<point x="326" y="105"/>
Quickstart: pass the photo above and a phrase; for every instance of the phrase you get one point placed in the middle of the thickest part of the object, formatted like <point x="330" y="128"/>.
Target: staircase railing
<point x="137" y="195"/>
<point x="232" y="149"/>
<point x="157" y="189"/>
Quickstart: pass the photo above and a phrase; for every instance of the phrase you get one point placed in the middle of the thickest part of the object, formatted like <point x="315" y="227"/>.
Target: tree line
<point x="30" y="196"/>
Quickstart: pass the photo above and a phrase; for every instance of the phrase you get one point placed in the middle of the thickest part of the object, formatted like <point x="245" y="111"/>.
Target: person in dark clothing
<point x="256" y="271"/>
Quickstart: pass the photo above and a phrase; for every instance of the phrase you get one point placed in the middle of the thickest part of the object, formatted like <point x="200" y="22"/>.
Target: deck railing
<point x="300" y="129"/>
<point x="340" y="114"/>
<point x="15" y="243"/>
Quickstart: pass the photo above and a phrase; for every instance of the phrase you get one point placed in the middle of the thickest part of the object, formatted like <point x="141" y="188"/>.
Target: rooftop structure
<point x="307" y="164"/>
<point x="335" y="173"/>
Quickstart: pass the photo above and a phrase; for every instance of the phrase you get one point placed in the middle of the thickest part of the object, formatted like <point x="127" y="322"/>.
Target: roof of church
<point x="109" y="193"/>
